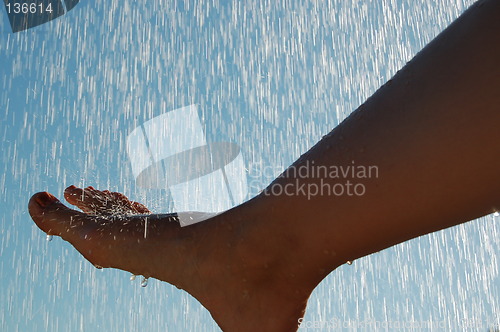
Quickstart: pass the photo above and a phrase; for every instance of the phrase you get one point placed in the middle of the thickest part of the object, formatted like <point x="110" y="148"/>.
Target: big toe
<point x="38" y="206"/>
<point x="49" y="214"/>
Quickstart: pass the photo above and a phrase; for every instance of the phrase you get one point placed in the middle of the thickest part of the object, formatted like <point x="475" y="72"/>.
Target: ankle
<point x="249" y="278"/>
<point x="268" y="306"/>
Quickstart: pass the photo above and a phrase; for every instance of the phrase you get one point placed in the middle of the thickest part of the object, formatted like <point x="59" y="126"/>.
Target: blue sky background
<point x="271" y="76"/>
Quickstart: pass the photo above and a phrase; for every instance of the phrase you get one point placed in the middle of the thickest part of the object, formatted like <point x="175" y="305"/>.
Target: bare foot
<point x="246" y="283"/>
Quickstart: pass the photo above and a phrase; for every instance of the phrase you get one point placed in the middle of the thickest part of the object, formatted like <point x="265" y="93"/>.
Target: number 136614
<point x="28" y="8"/>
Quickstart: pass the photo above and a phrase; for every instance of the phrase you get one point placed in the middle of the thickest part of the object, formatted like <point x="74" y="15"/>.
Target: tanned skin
<point x="432" y="131"/>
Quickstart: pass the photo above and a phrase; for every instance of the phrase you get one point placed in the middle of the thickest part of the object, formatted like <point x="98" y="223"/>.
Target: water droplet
<point x="132" y="277"/>
<point x="49" y="237"/>
<point x="496" y="214"/>
<point x="349" y="263"/>
<point x="144" y="282"/>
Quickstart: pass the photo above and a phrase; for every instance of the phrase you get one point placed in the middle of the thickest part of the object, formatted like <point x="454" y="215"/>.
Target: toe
<point x="89" y="200"/>
<point x="74" y="195"/>
<point x="53" y="217"/>
<point x="140" y="208"/>
<point x="38" y="206"/>
<point x="103" y="203"/>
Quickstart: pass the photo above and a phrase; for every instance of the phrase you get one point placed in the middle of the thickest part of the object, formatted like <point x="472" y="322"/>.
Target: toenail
<point x="45" y="199"/>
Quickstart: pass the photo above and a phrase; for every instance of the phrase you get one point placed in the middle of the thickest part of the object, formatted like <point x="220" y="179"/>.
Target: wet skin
<point x="432" y="131"/>
<point x="211" y="260"/>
